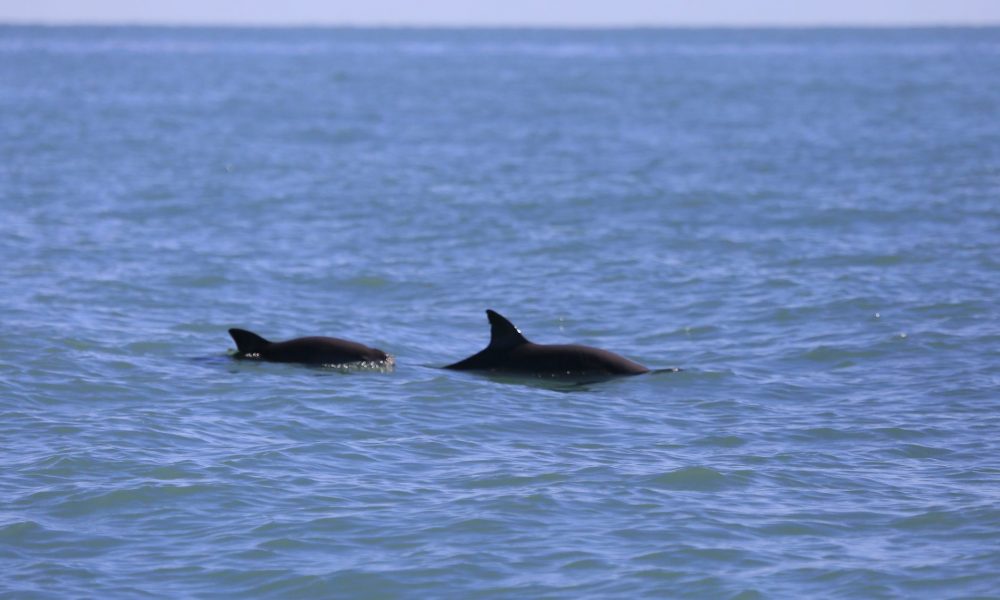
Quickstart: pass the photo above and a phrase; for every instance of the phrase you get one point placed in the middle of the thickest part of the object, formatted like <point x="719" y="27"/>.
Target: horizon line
<point x="209" y="24"/>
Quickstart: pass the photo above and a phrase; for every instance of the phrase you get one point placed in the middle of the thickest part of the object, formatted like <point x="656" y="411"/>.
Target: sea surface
<point x="807" y="222"/>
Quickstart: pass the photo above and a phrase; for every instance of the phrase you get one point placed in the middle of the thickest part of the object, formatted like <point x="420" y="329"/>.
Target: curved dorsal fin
<point x="247" y="341"/>
<point x="503" y="334"/>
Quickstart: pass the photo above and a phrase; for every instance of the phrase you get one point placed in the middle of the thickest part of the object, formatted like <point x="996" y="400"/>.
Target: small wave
<point x="375" y="366"/>
<point x="830" y="434"/>
<point x="931" y="520"/>
<point x="695" y="479"/>
<point x="919" y="451"/>
<point x="721" y="441"/>
<point x="511" y="481"/>
<point x="19" y="531"/>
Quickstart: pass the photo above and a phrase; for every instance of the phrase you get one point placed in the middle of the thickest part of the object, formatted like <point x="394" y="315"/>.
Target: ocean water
<point x="807" y="222"/>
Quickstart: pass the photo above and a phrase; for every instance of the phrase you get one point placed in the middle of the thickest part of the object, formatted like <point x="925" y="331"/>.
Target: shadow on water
<point x="559" y="383"/>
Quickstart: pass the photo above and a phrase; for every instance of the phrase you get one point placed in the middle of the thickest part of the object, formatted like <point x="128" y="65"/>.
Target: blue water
<point x="807" y="222"/>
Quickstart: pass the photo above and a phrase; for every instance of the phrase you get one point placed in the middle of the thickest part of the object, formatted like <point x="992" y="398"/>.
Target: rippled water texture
<point x="806" y="222"/>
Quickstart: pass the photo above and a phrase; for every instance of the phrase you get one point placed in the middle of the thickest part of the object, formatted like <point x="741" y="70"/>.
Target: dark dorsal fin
<point x="247" y="341"/>
<point x="503" y="334"/>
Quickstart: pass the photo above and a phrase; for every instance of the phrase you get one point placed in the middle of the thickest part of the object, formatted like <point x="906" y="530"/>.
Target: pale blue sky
<point x="586" y="13"/>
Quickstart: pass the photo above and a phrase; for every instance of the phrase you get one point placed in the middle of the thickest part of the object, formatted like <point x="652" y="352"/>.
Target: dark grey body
<point x="306" y="350"/>
<point x="510" y="352"/>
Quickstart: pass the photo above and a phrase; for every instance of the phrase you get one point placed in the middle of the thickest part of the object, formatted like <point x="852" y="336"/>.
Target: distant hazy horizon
<point x="510" y="13"/>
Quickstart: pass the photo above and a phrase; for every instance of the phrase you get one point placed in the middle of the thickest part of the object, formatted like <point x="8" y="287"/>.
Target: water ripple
<point x="804" y="221"/>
